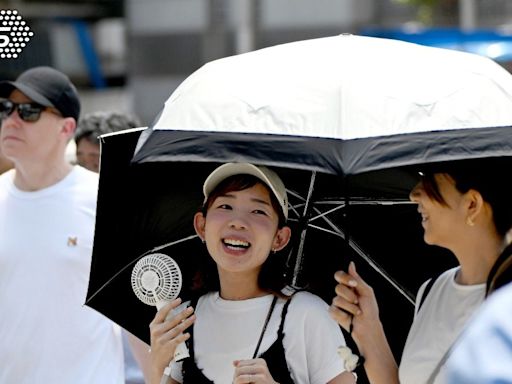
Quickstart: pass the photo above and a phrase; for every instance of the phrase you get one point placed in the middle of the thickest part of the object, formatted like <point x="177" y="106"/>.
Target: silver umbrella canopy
<point x="384" y="101"/>
<point x="344" y="119"/>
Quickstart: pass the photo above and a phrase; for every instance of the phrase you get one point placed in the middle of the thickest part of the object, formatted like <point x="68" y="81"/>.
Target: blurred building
<point x="147" y="47"/>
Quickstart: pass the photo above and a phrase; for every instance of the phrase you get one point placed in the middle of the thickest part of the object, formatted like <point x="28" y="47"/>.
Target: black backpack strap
<point x="269" y="315"/>
<point x="501" y="272"/>
<point x="427" y="289"/>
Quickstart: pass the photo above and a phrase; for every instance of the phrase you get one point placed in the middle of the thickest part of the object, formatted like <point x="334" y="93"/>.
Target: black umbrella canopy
<point x="148" y="206"/>
<point x="342" y="157"/>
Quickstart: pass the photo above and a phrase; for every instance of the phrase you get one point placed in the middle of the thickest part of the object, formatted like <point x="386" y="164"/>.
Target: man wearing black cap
<point x="47" y="213"/>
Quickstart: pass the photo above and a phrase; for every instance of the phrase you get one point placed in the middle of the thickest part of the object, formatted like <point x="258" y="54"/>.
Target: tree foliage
<point x="426" y="8"/>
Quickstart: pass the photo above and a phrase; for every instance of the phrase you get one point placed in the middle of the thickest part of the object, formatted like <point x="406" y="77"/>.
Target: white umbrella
<point x="375" y="96"/>
<point x="342" y="87"/>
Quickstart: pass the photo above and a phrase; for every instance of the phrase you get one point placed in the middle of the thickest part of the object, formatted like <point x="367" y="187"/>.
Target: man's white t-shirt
<point x="47" y="334"/>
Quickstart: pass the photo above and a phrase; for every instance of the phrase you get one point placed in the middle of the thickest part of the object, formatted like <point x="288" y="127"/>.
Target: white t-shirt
<point x="47" y="334"/>
<point x="441" y="318"/>
<point x="226" y="330"/>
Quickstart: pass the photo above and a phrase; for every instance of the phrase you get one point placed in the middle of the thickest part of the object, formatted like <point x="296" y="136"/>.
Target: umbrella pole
<point x="306" y="220"/>
<point x="336" y="231"/>
<point x="354" y="246"/>
<point x="346" y="211"/>
<point x="299" y="259"/>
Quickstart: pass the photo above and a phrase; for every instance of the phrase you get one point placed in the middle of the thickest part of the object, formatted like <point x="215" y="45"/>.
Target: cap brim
<point x="6" y="87"/>
<point x="231" y="169"/>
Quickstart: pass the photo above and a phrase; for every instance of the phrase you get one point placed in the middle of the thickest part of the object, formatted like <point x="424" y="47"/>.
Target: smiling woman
<point x="465" y="208"/>
<point x="442" y="208"/>
<point x="236" y="324"/>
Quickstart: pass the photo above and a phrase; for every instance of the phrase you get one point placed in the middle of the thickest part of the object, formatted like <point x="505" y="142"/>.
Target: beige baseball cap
<point x="269" y="177"/>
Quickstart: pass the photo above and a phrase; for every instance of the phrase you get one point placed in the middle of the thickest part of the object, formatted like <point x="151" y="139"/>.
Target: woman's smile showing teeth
<point x="236" y="245"/>
<point x="424" y="216"/>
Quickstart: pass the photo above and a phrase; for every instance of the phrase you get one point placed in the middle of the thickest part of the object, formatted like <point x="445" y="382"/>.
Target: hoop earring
<point x="470" y="222"/>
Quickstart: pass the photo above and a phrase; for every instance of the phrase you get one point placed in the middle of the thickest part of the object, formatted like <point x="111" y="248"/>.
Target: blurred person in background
<point x="483" y="354"/>
<point x="93" y="125"/>
<point x="47" y="218"/>
<point x="90" y="127"/>
<point x="464" y="208"/>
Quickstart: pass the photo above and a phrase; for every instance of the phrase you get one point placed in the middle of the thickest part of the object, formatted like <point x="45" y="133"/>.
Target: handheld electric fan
<point x="156" y="280"/>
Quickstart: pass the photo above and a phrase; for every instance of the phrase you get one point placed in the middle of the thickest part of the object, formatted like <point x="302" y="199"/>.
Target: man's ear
<point x="281" y="238"/>
<point x="199" y="224"/>
<point x="69" y="127"/>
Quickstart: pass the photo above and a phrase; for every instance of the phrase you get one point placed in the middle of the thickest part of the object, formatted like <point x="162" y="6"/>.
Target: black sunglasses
<point x="27" y="111"/>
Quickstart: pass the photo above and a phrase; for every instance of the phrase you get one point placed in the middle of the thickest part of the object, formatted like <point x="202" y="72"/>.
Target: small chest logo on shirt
<point x="72" y="241"/>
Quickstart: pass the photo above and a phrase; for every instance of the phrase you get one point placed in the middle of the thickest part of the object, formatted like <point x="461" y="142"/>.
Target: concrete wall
<point x="169" y="39"/>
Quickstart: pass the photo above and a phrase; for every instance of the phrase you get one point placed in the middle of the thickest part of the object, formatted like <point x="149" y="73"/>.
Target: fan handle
<point x="181" y="351"/>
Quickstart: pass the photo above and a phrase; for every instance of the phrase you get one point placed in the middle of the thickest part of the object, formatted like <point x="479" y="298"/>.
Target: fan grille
<point x="156" y="277"/>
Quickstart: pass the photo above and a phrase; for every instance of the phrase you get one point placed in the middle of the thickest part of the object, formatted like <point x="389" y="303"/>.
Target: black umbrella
<point x="144" y="208"/>
<point x="348" y="162"/>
